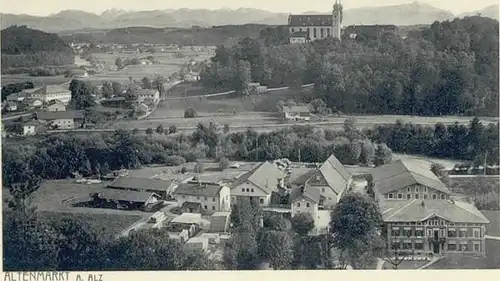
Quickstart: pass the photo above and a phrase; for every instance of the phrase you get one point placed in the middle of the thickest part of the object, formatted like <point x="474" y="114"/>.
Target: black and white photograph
<point x="217" y="135"/>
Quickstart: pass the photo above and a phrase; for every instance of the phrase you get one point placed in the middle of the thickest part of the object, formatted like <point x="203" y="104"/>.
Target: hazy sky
<point x="46" y="7"/>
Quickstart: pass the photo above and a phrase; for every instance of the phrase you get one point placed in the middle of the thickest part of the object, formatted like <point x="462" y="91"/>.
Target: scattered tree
<point x="302" y="223"/>
<point x="355" y="226"/>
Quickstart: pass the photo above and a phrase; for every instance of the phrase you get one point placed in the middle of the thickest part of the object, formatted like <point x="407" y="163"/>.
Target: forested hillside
<point x="448" y="68"/>
<point x="25" y="47"/>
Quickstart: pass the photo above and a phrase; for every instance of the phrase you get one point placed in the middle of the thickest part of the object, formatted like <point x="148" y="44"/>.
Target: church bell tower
<point x="337" y="19"/>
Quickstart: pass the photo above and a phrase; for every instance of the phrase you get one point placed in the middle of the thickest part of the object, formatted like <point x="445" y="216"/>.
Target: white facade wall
<point x="304" y="205"/>
<point x="28" y="130"/>
<point x="220" y="203"/>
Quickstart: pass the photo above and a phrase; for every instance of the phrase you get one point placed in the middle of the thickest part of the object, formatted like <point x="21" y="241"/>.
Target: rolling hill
<point x="406" y="14"/>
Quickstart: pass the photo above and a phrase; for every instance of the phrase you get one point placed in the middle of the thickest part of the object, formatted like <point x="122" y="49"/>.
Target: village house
<point x="332" y="180"/>
<point x="188" y="223"/>
<point x="50" y="93"/>
<point x="258" y="184"/>
<point x="296" y="112"/>
<point x="121" y="199"/>
<point x="419" y="216"/>
<point x="147" y="95"/>
<point x="305" y="200"/>
<point x="206" y="196"/>
<point x="161" y="187"/>
<point x="305" y="28"/>
<point x="57" y="106"/>
<point x="70" y="119"/>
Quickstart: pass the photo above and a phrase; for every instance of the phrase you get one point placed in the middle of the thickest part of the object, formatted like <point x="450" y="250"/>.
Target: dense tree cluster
<point x="473" y="142"/>
<point x="15" y="88"/>
<point x="59" y="156"/>
<point x="33" y="243"/>
<point x="448" y="68"/>
<point x="25" y="47"/>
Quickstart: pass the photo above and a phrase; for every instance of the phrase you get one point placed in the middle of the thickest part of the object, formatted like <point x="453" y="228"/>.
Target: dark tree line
<point x="59" y="156"/>
<point x="15" y="88"/>
<point x="449" y="68"/>
<point x="473" y="142"/>
<point x="33" y="243"/>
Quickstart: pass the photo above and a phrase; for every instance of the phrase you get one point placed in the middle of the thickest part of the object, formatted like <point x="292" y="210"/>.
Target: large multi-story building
<point x="307" y="28"/>
<point x="206" y="196"/>
<point x="420" y="217"/>
<point x="49" y="93"/>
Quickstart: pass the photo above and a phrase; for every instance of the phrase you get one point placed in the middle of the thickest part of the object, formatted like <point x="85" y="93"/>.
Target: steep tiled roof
<point x="310" y="20"/>
<point x="312" y="194"/>
<point x="52" y="115"/>
<point x="50" y="89"/>
<point x="399" y="174"/>
<point x="265" y="176"/>
<point x="123" y="195"/>
<point x="420" y="210"/>
<point x="331" y="165"/>
<point x="141" y="183"/>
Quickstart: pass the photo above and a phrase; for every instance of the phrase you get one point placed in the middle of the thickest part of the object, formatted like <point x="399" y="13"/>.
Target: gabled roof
<point x="265" y="176"/>
<point x="141" y="183"/>
<point x="313" y="194"/>
<point x="421" y="210"/>
<point x="310" y="20"/>
<point x="123" y="195"/>
<point x="403" y="173"/>
<point x="202" y="189"/>
<point x="49" y="89"/>
<point x="332" y="165"/>
<point x="53" y="115"/>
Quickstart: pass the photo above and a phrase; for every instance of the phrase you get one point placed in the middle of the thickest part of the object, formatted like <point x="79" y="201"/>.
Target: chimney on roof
<point x="302" y="189"/>
<point x="422" y="204"/>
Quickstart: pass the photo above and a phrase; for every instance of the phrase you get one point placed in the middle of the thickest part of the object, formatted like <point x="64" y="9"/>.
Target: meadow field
<point x="37" y="80"/>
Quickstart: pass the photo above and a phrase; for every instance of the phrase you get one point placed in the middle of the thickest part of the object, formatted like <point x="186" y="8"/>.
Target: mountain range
<point x="67" y="20"/>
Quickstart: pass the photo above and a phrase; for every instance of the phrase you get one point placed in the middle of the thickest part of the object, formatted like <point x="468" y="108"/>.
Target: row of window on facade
<point x="451" y="246"/>
<point x="419" y="232"/>
<point x="315" y="34"/>
<point x="416" y="196"/>
<point x="198" y="198"/>
<point x="206" y="208"/>
<point x="307" y="204"/>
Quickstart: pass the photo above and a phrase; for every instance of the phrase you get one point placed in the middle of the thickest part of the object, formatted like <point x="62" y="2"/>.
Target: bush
<point x="190" y="156"/>
<point x="184" y="170"/>
<point x="226" y="128"/>
<point x="174" y="160"/>
<point x="189" y="113"/>
<point x="223" y="163"/>
<point x="303" y="223"/>
<point x="149" y="131"/>
<point x="160" y="129"/>
<point x="172" y="129"/>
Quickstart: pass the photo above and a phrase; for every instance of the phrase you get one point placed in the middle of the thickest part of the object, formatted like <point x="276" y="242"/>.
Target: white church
<point x="307" y="28"/>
